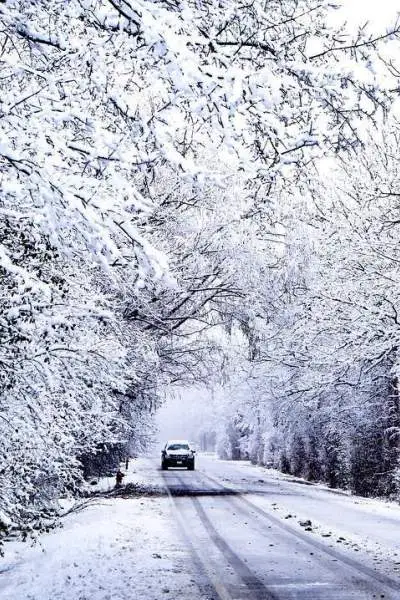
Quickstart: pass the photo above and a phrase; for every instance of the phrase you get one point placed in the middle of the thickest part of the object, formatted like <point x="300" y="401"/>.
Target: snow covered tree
<point x="328" y="351"/>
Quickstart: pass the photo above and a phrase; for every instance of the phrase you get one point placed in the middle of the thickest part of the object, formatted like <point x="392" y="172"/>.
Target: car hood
<point x="178" y="452"/>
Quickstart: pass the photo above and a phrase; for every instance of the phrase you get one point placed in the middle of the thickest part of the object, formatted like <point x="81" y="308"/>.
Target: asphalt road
<point x="256" y="537"/>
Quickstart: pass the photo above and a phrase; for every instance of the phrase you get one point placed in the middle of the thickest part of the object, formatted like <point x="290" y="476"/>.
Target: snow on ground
<point x="139" y="471"/>
<point x="116" y="549"/>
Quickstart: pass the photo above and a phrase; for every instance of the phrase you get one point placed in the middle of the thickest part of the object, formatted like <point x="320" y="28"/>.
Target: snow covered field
<point x="228" y="530"/>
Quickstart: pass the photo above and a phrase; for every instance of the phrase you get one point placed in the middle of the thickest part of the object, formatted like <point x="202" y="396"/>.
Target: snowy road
<point x="227" y="531"/>
<point x="244" y="530"/>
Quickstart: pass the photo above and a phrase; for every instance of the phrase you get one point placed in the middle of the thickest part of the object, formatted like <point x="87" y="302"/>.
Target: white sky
<point x="184" y="412"/>
<point x="378" y="12"/>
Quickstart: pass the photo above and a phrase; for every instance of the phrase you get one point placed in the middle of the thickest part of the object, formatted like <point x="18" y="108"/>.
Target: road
<point x="256" y="536"/>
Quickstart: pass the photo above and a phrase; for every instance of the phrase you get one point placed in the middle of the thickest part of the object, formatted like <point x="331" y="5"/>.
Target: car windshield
<point x="178" y="447"/>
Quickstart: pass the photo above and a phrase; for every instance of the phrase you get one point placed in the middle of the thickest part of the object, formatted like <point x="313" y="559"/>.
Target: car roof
<point x="177" y="442"/>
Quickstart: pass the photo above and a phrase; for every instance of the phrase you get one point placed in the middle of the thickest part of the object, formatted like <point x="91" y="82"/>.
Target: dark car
<point x="177" y="453"/>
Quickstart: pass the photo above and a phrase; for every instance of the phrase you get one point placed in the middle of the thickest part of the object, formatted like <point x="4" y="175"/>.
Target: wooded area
<point x="196" y="193"/>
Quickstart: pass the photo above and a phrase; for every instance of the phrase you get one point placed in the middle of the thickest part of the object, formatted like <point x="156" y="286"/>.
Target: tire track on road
<point x="217" y="590"/>
<point x="256" y="588"/>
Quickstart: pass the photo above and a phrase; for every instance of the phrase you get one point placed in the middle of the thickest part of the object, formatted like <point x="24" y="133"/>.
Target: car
<point x="177" y="453"/>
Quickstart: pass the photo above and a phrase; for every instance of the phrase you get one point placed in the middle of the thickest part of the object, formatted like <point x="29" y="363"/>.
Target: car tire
<point x="191" y="467"/>
<point x="164" y="467"/>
